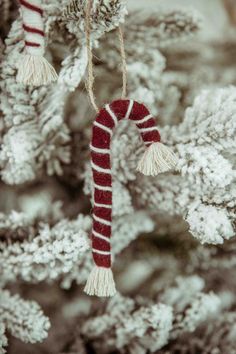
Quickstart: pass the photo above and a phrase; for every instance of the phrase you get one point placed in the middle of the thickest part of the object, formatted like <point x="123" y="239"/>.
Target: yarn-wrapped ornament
<point x="156" y="159"/>
<point x="33" y="68"/>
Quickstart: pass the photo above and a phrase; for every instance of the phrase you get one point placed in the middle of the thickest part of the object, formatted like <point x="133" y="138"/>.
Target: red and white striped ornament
<point x="156" y="159"/>
<point x="33" y="68"/>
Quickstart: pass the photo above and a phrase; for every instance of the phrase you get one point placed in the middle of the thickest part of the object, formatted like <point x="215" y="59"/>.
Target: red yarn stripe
<point x="101" y="245"/>
<point x="104" y="230"/>
<point x="102" y="260"/>
<point x="101" y="160"/>
<point x="31" y="7"/>
<point x="105" y="119"/>
<point x="33" y="30"/>
<point x="101" y="139"/>
<point x="102" y="179"/>
<point x="103" y="213"/>
<point x="32" y="44"/>
<point x="102" y="197"/>
<point x="151" y="136"/>
<point x="119" y="107"/>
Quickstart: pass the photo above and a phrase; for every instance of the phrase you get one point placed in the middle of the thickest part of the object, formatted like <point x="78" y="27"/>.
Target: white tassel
<point x="100" y="282"/>
<point x="157" y="158"/>
<point x="35" y="70"/>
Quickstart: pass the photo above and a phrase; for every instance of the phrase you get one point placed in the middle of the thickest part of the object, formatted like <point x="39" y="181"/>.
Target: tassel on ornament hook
<point x="100" y="282"/>
<point x="157" y="158"/>
<point x="33" y="68"/>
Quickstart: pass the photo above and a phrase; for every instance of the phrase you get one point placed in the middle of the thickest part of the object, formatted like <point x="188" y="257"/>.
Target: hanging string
<point x="124" y="66"/>
<point x="90" y="79"/>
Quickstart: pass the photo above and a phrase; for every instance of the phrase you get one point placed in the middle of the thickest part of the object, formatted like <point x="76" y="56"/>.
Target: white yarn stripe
<point x="105" y="253"/>
<point x="131" y="103"/>
<point x="103" y="127"/>
<point x="143" y="120"/>
<point x="98" y="235"/>
<point x="112" y="114"/>
<point x="99" y="150"/>
<point x="102" y="205"/>
<point x="148" y="142"/>
<point x="145" y="130"/>
<point x="103" y="188"/>
<point x="101" y="221"/>
<point x="100" y="169"/>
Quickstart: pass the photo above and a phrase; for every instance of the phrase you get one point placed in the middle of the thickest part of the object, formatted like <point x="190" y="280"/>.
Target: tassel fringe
<point x="35" y="70"/>
<point x="157" y="158"/>
<point x="100" y="282"/>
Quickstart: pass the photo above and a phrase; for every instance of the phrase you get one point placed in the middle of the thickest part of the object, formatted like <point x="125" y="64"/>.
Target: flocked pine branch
<point x="34" y="251"/>
<point x="23" y="319"/>
<point x="215" y="337"/>
<point x="132" y="326"/>
<point x="126" y="324"/>
<point x="203" y="187"/>
<point x="46" y="252"/>
<point x="160" y="27"/>
<point x="191" y="306"/>
<point x="22" y="123"/>
<point x="46" y="136"/>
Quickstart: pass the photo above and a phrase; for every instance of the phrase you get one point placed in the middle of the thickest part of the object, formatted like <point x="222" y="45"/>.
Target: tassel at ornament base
<point x="100" y="282"/>
<point x="35" y="70"/>
<point x="157" y="158"/>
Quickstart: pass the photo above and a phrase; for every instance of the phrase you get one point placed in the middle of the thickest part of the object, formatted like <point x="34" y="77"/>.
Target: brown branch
<point x="230" y="7"/>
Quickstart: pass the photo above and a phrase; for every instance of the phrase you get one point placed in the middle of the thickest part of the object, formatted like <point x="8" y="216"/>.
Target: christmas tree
<point x="173" y="246"/>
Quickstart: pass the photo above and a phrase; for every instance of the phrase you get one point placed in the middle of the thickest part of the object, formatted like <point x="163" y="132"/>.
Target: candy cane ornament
<point x="33" y="68"/>
<point x="156" y="159"/>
